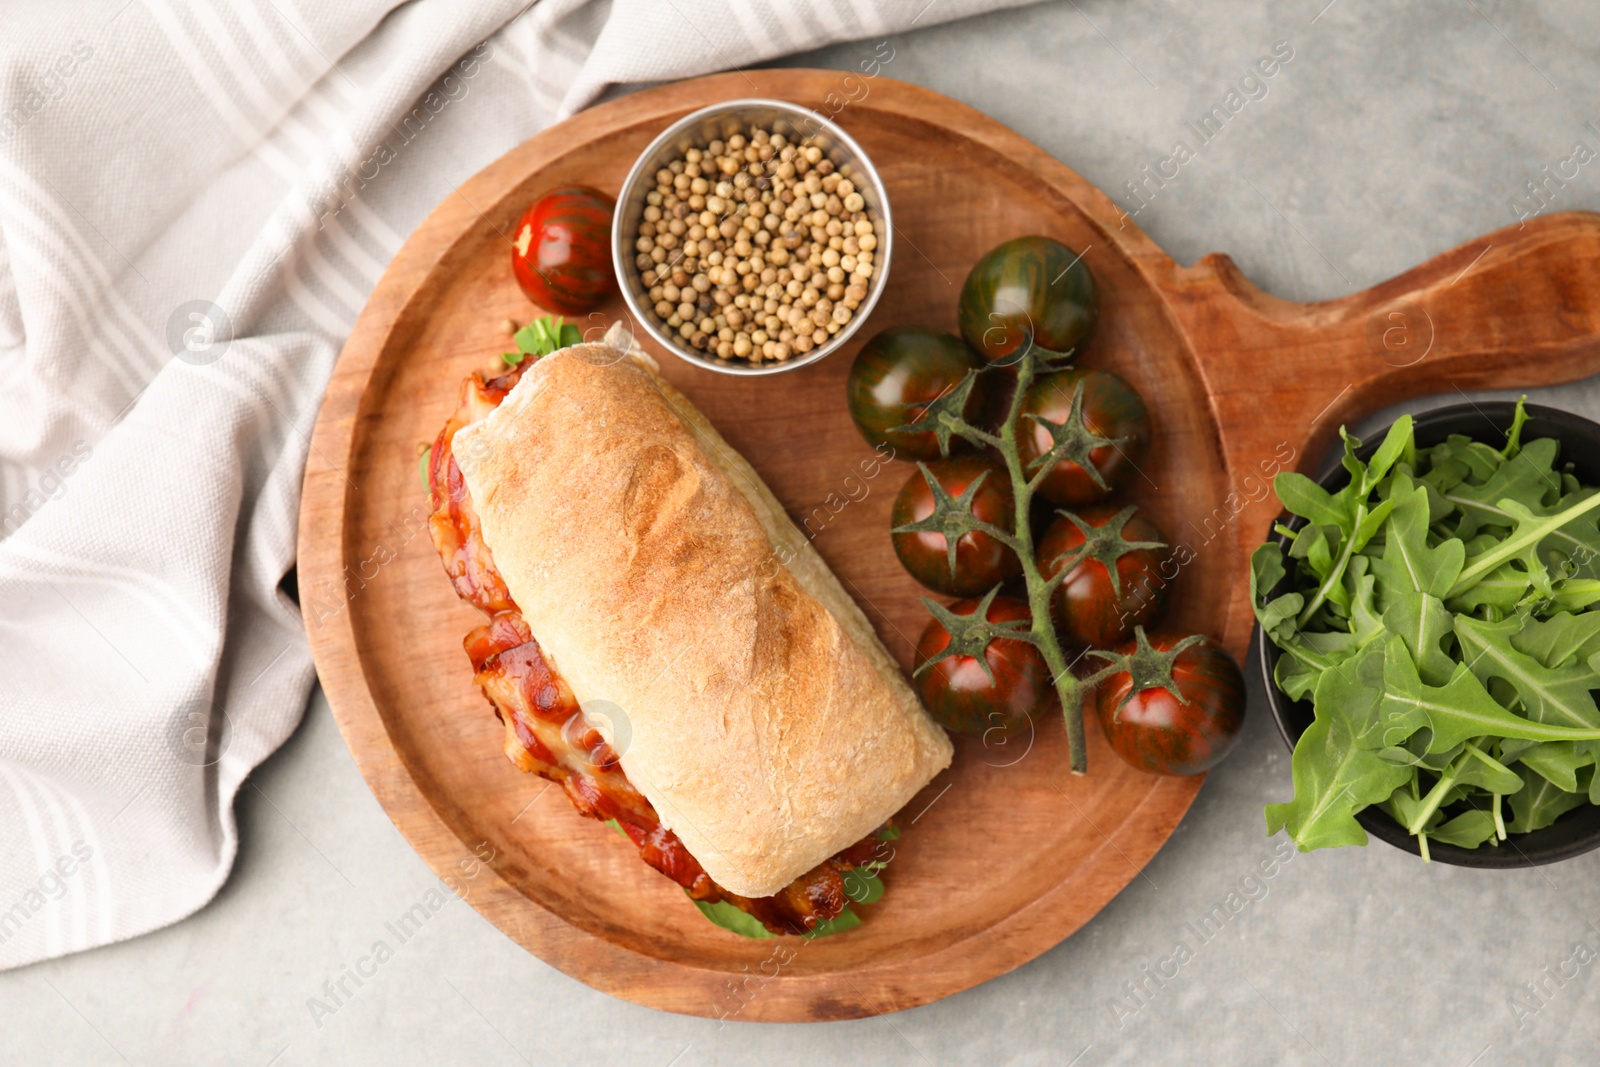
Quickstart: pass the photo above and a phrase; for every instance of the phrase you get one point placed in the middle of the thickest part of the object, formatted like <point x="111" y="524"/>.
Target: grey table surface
<point x="1395" y="132"/>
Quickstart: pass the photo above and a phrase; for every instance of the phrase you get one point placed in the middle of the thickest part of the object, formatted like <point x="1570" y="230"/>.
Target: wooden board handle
<point x="1514" y="309"/>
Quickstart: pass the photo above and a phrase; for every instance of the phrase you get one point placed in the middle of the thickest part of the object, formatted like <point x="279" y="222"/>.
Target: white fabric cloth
<point x="195" y="200"/>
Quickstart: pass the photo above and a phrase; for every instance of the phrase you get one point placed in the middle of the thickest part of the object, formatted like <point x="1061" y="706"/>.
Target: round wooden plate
<point x="1005" y="854"/>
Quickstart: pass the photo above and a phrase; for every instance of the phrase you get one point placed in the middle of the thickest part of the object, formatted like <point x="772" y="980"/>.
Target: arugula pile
<point x="1441" y="617"/>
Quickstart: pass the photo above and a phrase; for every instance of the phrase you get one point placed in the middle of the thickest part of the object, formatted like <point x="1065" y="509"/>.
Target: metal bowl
<point x="1577" y="831"/>
<point x="718" y="122"/>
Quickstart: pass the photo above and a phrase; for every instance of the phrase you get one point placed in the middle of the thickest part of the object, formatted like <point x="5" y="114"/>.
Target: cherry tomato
<point x="561" y="253"/>
<point x="1030" y="286"/>
<point x="894" y="378"/>
<point x="1087" y="610"/>
<point x="1112" y="409"/>
<point x="1155" y="731"/>
<point x="981" y="561"/>
<point x="964" y="699"/>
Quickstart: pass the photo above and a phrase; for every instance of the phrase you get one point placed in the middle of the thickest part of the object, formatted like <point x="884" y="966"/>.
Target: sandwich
<point x="664" y="643"/>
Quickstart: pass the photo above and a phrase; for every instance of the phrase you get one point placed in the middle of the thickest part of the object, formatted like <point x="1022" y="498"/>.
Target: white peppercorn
<point x="754" y="247"/>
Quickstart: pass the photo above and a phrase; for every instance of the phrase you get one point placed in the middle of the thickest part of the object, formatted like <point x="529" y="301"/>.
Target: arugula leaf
<point x="1425" y="812"/>
<point x="1296" y="677"/>
<point x="744" y="924"/>
<point x="1366" y="623"/>
<point x="541" y="337"/>
<point x="1421" y="621"/>
<point x="1524" y="541"/>
<point x="1487" y="773"/>
<point x="1560" y="638"/>
<point x="1266" y="571"/>
<point x="862" y="886"/>
<point x="845" y="920"/>
<point x="1457" y="711"/>
<point x="1408" y="562"/>
<point x="1281" y="611"/>
<point x="1558" y="695"/>
<point x="1444" y="471"/>
<point x="725" y="915"/>
<point x="532" y="338"/>
<point x="1467" y="830"/>
<point x="1310" y="501"/>
<point x="1479" y="504"/>
<point x="1409" y="809"/>
<point x="1557" y="762"/>
<point x="1376" y="518"/>
<point x="1399" y="443"/>
<point x="1481" y="460"/>
<point x="1519" y="418"/>
<point x="1540" y="802"/>
<point x="1575" y="594"/>
<point x="1504" y="589"/>
<point x="1336" y="772"/>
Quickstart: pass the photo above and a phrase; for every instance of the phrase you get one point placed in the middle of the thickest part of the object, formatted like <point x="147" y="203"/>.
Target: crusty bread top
<point x="759" y="713"/>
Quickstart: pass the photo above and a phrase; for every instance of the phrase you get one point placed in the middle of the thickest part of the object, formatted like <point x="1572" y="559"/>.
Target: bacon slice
<point x="546" y="732"/>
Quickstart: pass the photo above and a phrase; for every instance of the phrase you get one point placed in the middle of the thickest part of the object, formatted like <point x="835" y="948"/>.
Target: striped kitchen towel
<point x="196" y="197"/>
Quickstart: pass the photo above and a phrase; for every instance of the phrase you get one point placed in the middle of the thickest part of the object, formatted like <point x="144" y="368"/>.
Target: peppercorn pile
<point x="755" y="249"/>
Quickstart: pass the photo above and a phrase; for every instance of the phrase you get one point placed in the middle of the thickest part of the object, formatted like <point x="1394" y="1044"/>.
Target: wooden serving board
<point x="1005" y="854"/>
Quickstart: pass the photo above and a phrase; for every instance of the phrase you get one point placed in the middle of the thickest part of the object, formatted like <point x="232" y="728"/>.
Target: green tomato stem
<point x="982" y="437"/>
<point x="1068" y="689"/>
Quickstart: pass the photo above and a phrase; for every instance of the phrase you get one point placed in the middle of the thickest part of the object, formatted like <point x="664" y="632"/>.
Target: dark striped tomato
<point x="894" y="378"/>
<point x="1028" y="287"/>
<point x="1112" y="409"/>
<point x="561" y="252"/>
<point x="1156" y="731"/>
<point x="963" y="698"/>
<point x="981" y="562"/>
<point x="1087" y="610"/>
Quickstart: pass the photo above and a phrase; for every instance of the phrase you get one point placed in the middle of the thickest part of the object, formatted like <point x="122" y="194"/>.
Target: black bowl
<point x="1578" y="830"/>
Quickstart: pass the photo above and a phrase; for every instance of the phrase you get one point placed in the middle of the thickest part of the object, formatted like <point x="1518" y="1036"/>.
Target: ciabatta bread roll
<point x="759" y="713"/>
